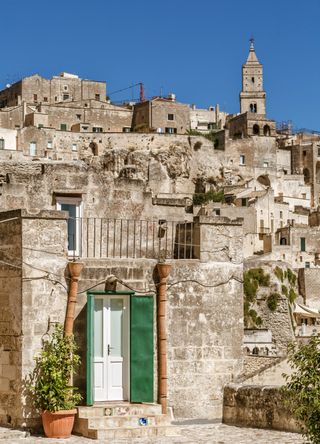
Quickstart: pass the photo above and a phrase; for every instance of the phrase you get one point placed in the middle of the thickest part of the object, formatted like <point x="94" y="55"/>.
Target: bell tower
<point x="252" y="96"/>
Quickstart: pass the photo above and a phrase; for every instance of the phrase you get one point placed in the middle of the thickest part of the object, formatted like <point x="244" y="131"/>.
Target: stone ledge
<point x="24" y="214"/>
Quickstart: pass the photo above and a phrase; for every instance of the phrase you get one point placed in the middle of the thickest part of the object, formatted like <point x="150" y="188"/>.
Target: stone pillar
<point x="33" y="295"/>
<point x="164" y="270"/>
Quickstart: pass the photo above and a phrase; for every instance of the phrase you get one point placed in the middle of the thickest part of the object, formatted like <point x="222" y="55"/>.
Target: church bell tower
<point x="252" y="96"/>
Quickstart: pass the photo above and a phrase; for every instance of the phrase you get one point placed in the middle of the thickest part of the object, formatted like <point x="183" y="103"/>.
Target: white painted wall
<point x="10" y="138"/>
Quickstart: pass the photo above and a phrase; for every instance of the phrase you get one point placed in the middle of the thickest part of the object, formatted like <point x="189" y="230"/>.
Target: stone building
<point x="206" y="120"/>
<point x="63" y="88"/>
<point x="161" y="115"/>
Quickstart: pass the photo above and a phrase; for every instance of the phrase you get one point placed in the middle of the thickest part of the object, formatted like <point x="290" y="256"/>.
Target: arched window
<point x="256" y="129"/>
<point x="266" y="130"/>
<point x="283" y="241"/>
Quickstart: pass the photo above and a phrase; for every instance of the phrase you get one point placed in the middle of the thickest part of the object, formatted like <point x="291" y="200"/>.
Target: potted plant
<point x="50" y="384"/>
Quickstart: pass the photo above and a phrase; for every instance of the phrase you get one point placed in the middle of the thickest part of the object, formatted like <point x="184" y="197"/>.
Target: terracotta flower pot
<point x="58" y="424"/>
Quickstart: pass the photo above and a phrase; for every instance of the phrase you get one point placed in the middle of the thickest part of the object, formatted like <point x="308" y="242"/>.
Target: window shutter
<point x="141" y="349"/>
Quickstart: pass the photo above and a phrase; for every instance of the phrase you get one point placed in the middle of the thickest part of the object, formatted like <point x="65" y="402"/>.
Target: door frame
<point x="90" y="336"/>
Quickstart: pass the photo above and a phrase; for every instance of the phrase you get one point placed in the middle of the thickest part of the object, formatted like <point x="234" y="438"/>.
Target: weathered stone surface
<point x="257" y="406"/>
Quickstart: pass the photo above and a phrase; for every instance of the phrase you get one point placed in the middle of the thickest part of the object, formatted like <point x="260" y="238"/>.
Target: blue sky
<point x="192" y="48"/>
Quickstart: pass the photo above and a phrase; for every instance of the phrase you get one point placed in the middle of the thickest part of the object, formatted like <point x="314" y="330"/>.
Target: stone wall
<point x="311" y="286"/>
<point x="33" y="296"/>
<point x="280" y="321"/>
<point x="271" y="374"/>
<point x="10" y="317"/>
<point x="204" y="335"/>
<point x="257" y="406"/>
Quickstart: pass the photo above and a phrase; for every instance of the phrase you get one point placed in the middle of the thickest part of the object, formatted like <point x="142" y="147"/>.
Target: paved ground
<point x="190" y="434"/>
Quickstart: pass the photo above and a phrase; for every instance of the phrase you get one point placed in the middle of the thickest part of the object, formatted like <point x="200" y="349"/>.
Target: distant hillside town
<point x="229" y="201"/>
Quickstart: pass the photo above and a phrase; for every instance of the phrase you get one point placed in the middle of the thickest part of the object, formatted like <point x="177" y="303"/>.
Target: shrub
<point x="213" y="196"/>
<point x="272" y="301"/>
<point x="292" y="278"/>
<point x="279" y="273"/>
<point x="50" y="379"/>
<point x="284" y="290"/>
<point x="302" y="388"/>
<point x="292" y="296"/>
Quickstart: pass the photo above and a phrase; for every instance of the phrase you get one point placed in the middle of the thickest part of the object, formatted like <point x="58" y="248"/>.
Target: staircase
<point x="123" y="420"/>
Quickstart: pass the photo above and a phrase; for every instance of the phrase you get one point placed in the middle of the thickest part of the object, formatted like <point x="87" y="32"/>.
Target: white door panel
<point x="111" y="343"/>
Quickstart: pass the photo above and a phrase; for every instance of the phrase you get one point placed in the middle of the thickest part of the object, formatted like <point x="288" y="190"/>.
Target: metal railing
<point x="96" y="238"/>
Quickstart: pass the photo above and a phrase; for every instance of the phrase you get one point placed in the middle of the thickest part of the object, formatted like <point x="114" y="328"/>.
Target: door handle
<point x="109" y="349"/>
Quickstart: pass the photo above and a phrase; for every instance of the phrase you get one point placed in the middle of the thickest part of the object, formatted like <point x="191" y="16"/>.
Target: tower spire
<point x="252" y="96"/>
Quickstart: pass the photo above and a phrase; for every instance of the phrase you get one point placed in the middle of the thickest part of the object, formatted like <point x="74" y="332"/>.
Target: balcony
<point x="101" y="238"/>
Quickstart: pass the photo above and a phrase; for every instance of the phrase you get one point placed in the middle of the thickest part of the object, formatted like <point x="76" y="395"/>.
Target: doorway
<point x="111" y="348"/>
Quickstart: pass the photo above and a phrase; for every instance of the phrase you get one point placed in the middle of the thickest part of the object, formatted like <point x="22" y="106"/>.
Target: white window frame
<point x="77" y="201"/>
<point x="242" y="160"/>
<point x="34" y="145"/>
<point x="49" y="145"/>
<point x="74" y="147"/>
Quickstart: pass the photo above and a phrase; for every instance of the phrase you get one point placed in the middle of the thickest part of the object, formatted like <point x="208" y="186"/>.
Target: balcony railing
<point x="98" y="238"/>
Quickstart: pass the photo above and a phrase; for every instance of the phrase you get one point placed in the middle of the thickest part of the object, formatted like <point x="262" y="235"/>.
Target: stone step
<point x="116" y="409"/>
<point x="8" y="435"/>
<point x="125" y="421"/>
<point x="133" y="432"/>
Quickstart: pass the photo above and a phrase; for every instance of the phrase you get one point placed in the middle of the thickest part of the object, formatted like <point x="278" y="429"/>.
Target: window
<point x="265" y="164"/>
<point x="97" y="129"/>
<point x="63" y="126"/>
<point x="242" y="159"/>
<point x="243" y="202"/>
<point x="302" y="244"/>
<point x="126" y="129"/>
<point x="49" y="144"/>
<point x="65" y="96"/>
<point x="307" y="264"/>
<point x="35" y="97"/>
<point x="253" y="107"/>
<point x="252" y="79"/>
<point x="40" y="125"/>
<point x="304" y="196"/>
<point x="55" y="98"/>
<point x="304" y="153"/>
<point x="65" y="87"/>
<point x="74" y="147"/>
<point x="212" y="126"/>
<point x="33" y="149"/>
<point x="78" y="116"/>
<point x="2" y="144"/>
<point x="318" y="152"/>
<point x="170" y="116"/>
<point x="171" y="130"/>
<point x="45" y="99"/>
<point x="281" y="214"/>
<point x="97" y="96"/>
<point x="73" y="205"/>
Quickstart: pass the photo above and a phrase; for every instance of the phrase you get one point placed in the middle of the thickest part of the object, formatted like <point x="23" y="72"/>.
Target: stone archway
<point x="264" y="180"/>
<point x="256" y="129"/>
<point x="266" y="130"/>
<point x="94" y="148"/>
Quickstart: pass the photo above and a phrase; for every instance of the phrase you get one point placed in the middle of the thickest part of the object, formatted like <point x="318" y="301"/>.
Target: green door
<point x="141" y="349"/>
